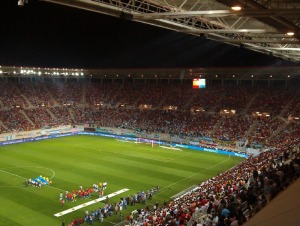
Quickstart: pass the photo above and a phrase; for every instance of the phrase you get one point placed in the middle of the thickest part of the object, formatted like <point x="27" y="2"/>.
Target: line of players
<point x="83" y="193"/>
<point x="37" y="182"/>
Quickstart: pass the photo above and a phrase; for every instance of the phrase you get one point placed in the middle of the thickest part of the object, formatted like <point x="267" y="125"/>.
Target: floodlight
<point x="21" y="3"/>
<point x="236" y="8"/>
<point x="290" y="33"/>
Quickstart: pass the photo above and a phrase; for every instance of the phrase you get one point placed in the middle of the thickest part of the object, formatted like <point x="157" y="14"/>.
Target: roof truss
<point x="261" y="25"/>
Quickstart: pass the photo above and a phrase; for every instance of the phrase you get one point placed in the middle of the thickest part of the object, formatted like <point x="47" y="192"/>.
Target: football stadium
<point x="126" y="139"/>
<point x="108" y="153"/>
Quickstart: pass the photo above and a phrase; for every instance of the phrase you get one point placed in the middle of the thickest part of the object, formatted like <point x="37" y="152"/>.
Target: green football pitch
<point x="75" y="161"/>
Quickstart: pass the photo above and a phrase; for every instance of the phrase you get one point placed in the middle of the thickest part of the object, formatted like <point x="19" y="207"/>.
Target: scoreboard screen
<point x="199" y="83"/>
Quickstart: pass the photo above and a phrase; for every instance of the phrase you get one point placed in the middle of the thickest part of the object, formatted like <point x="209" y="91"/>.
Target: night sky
<point x="49" y="35"/>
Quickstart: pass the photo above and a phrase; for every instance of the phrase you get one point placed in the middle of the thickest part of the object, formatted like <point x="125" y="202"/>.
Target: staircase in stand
<point x="251" y="128"/>
<point x="137" y="100"/>
<point x="52" y="115"/>
<point x="279" y="129"/>
<point x="71" y="114"/>
<point x="249" y="104"/>
<point x="286" y="107"/>
<point x="22" y="95"/>
<point x="51" y="97"/>
<point x="112" y="100"/>
<point x="26" y="116"/>
<point x="1" y="124"/>
<point x="29" y="104"/>
<point x="84" y="94"/>
<point x="187" y="104"/>
<point x="162" y="101"/>
<point x="217" y="126"/>
<point x="213" y="108"/>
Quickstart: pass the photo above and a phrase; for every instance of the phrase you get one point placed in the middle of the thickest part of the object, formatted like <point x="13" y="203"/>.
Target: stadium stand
<point x="80" y="103"/>
<point x="229" y="198"/>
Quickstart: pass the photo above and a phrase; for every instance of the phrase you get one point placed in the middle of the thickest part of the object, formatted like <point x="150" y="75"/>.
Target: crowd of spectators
<point x="67" y="93"/>
<point x="97" y="93"/>
<point x="14" y="121"/>
<point x="264" y="129"/>
<point x="233" y="128"/>
<point x="36" y="93"/>
<point x="117" y="105"/>
<point x="208" y="98"/>
<point x="272" y="100"/>
<point x="41" y="117"/>
<point x="202" y="124"/>
<point x="287" y="137"/>
<point x="11" y="96"/>
<point x="154" y="95"/>
<point x="179" y="95"/>
<point x="129" y="94"/>
<point x="62" y="115"/>
<point x="236" y="97"/>
<point x="293" y="109"/>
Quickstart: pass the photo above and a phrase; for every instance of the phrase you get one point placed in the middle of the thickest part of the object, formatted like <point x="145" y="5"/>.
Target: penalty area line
<point x="90" y="203"/>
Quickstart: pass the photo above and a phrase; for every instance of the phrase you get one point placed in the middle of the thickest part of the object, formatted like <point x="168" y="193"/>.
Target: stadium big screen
<point x="199" y="83"/>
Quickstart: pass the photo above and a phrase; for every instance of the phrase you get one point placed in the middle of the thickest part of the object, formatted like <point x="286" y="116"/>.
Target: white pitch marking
<point x="27" y="178"/>
<point x="192" y="175"/>
<point x="39" y="167"/>
<point x="90" y="203"/>
<point x="177" y="157"/>
<point x="13" y="174"/>
<point x="171" y="148"/>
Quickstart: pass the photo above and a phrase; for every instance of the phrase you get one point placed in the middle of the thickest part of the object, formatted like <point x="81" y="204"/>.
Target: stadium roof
<point x="267" y="26"/>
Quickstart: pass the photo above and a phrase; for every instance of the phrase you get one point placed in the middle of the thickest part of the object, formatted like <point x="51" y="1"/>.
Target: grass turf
<point x="85" y="160"/>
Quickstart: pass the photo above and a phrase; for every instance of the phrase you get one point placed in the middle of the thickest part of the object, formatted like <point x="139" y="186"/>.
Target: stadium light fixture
<point x="236" y="8"/>
<point x="21" y="3"/>
<point x="290" y="33"/>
